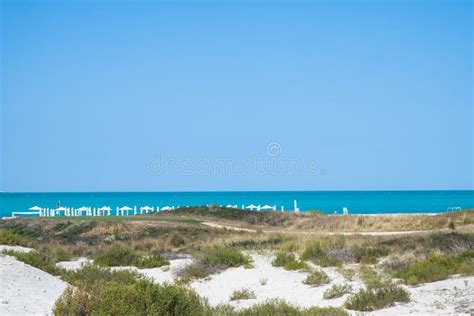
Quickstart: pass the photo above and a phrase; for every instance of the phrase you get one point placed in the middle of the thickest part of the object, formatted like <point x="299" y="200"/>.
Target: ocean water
<point x="358" y="202"/>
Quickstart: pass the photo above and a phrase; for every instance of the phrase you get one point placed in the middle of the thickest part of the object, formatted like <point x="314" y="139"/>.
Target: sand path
<point x="216" y="225"/>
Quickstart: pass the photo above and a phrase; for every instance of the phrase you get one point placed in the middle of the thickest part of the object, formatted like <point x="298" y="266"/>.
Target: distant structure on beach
<point x="126" y="210"/>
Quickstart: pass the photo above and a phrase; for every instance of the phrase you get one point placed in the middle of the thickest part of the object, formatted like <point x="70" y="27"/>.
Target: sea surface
<point x="358" y="202"/>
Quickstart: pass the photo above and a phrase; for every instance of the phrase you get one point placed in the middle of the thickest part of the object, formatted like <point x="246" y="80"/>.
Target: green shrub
<point x="243" y="294"/>
<point x="269" y="242"/>
<point x="314" y="213"/>
<point x="278" y="307"/>
<point x="373" y="299"/>
<point x="348" y="274"/>
<point x="328" y="262"/>
<point x="60" y="254"/>
<point x="194" y="271"/>
<point x="76" y="301"/>
<point x="11" y="237"/>
<point x="317" y="277"/>
<point x="223" y="257"/>
<point x="295" y="265"/>
<point x="337" y="291"/>
<point x="437" y="268"/>
<point x="318" y="251"/>
<point x="90" y="274"/>
<point x="371" y="278"/>
<point x="369" y="254"/>
<point x="282" y="258"/>
<point x="289" y="246"/>
<point x="288" y="262"/>
<point x="140" y="298"/>
<point x="451" y="225"/>
<point x="117" y="256"/>
<point x="368" y="260"/>
<point x="36" y="259"/>
<point x="125" y="256"/>
<point x="73" y="231"/>
<point x="153" y="261"/>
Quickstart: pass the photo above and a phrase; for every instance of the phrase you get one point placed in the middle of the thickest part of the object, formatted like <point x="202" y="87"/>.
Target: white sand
<point x="281" y="284"/>
<point x="15" y="248"/>
<point x="26" y="290"/>
<point x="73" y="265"/>
<point x="454" y="296"/>
<point x="162" y="274"/>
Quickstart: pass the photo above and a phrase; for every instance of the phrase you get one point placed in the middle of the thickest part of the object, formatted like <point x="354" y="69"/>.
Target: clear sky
<point x="99" y="95"/>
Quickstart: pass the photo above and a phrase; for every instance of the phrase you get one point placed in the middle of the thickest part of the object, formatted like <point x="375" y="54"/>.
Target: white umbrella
<point x="166" y="208"/>
<point x="61" y="209"/>
<point x="82" y="209"/>
<point x="251" y="206"/>
<point x="35" y="208"/>
<point x="125" y="208"/>
<point x="266" y="207"/>
<point x="104" y="208"/>
<point x="146" y="208"/>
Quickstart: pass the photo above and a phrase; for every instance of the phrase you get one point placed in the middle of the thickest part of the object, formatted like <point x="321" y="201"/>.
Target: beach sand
<point x="26" y="290"/>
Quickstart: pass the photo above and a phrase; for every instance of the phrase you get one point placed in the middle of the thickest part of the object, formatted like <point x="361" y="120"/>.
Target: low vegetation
<point x="336" y="291"/>
<point x="243" y="294"/>
<point x="124" y="256"/>
<point x="277" y="307"/>
<point x="36" y="259"/>
<point x="11" y="237"/>
<point x="140" y="298"/>
<point x="212" y="260"/>
<point x="147" y="241"/>
<point x="288" y="261"/>
<point x="437" y="267"/>
<point x="90" y="274"/>
<point x="319" y="251"/>
<point x="376" y="298"/>
<point x="317" y="277"/>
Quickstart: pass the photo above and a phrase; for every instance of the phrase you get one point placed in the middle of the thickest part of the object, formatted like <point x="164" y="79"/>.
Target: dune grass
<point x="437" y="267"/>
<point x="36" y="259"/>
<point x="242" y="294"/>
<point x="288" y="261"/>
<point x="337" y="290"/>
<point x="317" y="277"/>
<point x="11" y="237"/>
<point x="124" y="256"/>
<point x="372" y="299"/>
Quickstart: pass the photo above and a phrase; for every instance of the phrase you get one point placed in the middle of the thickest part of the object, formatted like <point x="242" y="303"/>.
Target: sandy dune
<point x="26" y="290"/>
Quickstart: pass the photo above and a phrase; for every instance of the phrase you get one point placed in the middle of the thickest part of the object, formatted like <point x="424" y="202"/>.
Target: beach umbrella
<point x="146" y="208"/>
<point x="104" y="208"/>
<point x="82" y="209"/>
<point x="166" y="208"/>
<point x="35" y="208"/>
<point x="61" y="209"/>
<point x="251" y="207"/>
<point x="125" y="208"/>
<point x="266" y="207"/>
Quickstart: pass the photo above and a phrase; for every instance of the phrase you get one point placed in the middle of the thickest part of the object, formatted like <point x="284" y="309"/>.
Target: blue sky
<point x="99" y="95"/>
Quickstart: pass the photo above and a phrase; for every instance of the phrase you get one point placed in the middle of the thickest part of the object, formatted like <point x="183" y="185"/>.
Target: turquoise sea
<point x="358" y="202"/>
